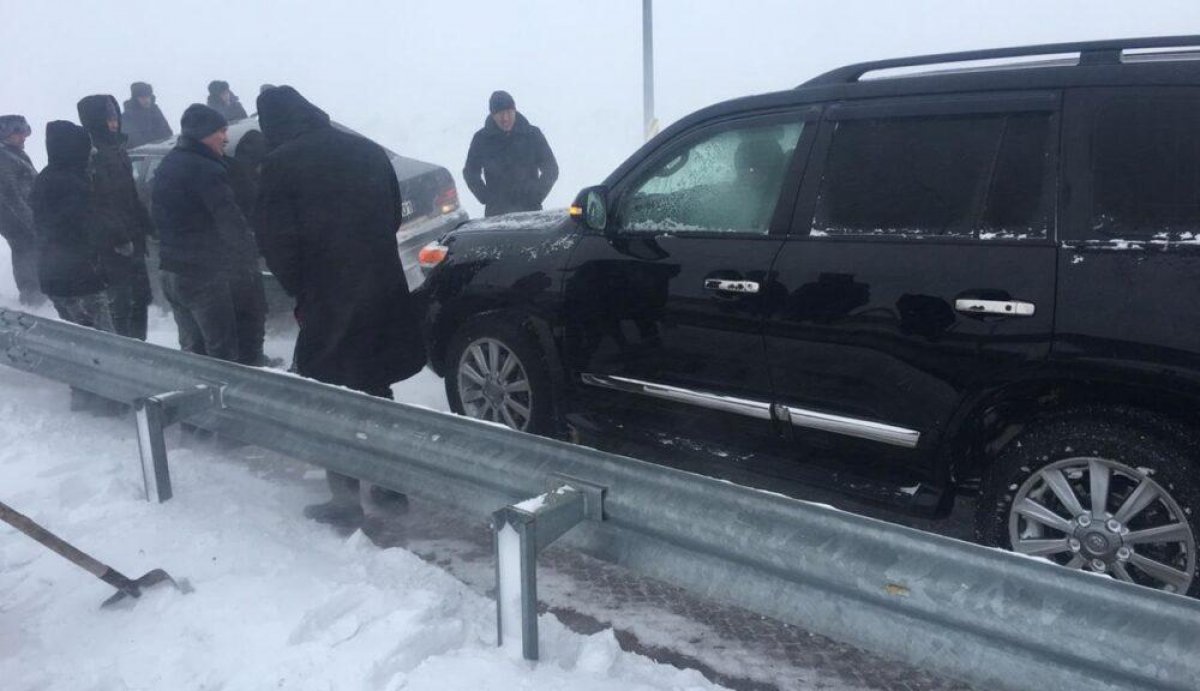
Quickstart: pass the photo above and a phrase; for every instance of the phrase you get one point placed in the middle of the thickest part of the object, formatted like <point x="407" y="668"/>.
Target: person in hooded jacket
<point x="142" y="120"/>
<point x="245" y="169"/>
<point x="71" y="241"/>
<point x="510" y="166"/>
<point x="123" y="220"/>
<point x="16" y="215"/>
<point x="224" y="101"/>
<point x="209" y="262"/>
<point x="328" y="209"/>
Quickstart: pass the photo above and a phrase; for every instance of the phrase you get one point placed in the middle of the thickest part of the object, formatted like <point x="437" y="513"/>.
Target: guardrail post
<point x="521" y="532"/>
<point x="154" y="415"/>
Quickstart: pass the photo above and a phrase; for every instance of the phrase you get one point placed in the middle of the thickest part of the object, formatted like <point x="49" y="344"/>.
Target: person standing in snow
<point x="142" y="120"/>
<point x="71" y="241"/>
<point x="119" y="211"/>
<point x="16" y="216"/>
<point x="510" y="166"/>
<point x="328" y="211"/>
<point x="222" y="100"/>
<point x="209" y="262"/>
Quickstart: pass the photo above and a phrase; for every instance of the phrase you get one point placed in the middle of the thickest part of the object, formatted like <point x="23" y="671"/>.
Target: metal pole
<point x="651" y="127"/>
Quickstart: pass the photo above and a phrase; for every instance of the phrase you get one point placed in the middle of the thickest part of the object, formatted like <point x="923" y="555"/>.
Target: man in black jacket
<point x="142" y="120"/>
<point x="16" y="216"/>
<point x="123" y="219"/>
<point x="222" y="100"/>
<point x="209" y="262"/>
<point x="510" y="166"/>
<point x="329" y="209"/>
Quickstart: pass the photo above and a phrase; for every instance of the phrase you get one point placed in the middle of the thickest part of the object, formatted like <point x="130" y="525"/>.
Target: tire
<point x="1038" y="499"/>
<point x="498" y="367"/>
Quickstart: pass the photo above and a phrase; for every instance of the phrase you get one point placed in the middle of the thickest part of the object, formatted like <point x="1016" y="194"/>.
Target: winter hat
<point x="217" y="87"/>
<point x="13" y="124"/>
<point x="501" y="100"/>
<point x="199" y="121"/>
<point x="139" y="89"/>
<point x="67" y="144"/>
<point x="265" y="87"/>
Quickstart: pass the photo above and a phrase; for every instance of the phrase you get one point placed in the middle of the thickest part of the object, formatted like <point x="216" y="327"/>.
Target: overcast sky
<point x="416" y="74"/>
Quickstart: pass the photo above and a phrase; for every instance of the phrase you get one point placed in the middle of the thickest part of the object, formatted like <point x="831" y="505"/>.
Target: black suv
<point x="975" y="281"/>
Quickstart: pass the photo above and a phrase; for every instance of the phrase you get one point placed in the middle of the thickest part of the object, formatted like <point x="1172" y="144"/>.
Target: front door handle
<point x="731" y="286"/>
<point x="1011" y="308"/>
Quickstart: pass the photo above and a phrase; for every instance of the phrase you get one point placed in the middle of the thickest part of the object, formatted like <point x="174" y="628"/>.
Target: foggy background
<point x="415" y="75"/>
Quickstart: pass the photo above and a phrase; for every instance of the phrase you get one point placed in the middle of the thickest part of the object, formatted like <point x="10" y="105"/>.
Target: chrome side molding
<point x="800" y="417"/>
<point x="728" y="404"/>
<point x="853" y="427"/>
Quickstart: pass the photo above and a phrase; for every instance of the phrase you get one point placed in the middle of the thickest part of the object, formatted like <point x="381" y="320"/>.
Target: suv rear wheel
<point x="1094" y="493"/>
<point x="497" y="373"/>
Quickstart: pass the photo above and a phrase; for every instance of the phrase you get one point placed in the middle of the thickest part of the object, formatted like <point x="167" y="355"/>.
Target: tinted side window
<point x="937" y="176"/>
<point x="1146" y="167"/>
<point x="727" y="182"/>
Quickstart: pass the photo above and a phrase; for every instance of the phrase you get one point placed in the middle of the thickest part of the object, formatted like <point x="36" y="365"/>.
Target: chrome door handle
<point x="1012" y="308"/>
<point x="730" y="286"/>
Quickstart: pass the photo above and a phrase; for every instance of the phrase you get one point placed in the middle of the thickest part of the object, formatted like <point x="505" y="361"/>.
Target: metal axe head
<point x="134" y="588"/>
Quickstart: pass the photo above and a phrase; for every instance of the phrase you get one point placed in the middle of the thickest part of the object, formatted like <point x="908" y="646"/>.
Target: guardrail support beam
<point x="154" y="415"/>
<point x="521" y="532"/>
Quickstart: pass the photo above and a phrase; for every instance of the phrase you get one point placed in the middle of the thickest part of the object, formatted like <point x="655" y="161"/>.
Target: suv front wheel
<point x="497" y="373"/>
<point x="1095" y="493"/>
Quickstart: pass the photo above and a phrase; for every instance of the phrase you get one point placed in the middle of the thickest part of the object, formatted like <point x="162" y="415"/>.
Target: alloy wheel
<point x="493" y="384"/>
<point x="1103" y="516"/>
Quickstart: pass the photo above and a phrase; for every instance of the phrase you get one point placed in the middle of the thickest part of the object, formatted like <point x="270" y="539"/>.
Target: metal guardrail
<point x="992" y="618"/>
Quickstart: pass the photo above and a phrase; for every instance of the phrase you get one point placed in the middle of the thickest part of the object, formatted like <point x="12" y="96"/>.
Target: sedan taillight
<point x="446" y="201"/>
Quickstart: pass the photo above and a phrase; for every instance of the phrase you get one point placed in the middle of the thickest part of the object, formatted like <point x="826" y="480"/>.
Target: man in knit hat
<point x="222" y="100"/>
<point x="208" y="258"/>
<point x="142" y="120"/>
<point x="510" y="167"/>
<point x="16" y="215"/>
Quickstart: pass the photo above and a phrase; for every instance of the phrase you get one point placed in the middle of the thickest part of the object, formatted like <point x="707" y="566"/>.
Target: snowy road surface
<point x="282" y="602"/>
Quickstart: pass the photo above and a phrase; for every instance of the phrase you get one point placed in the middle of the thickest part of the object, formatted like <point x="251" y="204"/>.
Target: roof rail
<point x="1090" y="53"/>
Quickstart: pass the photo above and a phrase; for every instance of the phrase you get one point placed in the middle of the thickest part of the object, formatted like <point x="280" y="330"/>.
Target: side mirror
<point x="591" y="208"/>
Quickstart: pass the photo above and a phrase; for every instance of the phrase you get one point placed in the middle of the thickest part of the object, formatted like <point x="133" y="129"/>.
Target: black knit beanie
<point x="199" y="121"/>
<point x="501" y="100"/>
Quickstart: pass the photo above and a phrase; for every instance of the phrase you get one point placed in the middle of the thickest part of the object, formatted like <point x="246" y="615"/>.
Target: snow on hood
<point x="526" y="220"/>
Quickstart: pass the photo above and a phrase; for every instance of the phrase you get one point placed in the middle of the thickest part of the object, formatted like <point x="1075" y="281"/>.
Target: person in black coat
<point x="119" y="211"/>
<point x="510" y="166"/>
<point x="16" y="215"/>
<point x="224" y="101"/>
<point x="142" y="120"/>
<point x="70" y="240"/>
<point x="328" y="209"/>
<point x="209" y="262"/>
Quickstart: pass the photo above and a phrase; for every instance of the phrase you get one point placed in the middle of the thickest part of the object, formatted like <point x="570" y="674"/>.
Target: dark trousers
<point x="250" y="311"/>
<point x="25" y="272"/>
<point x="219" y="315"/>
<point x="129" y="295"/>
<point x="346" y="490"/>
<point x="86" y="310"/>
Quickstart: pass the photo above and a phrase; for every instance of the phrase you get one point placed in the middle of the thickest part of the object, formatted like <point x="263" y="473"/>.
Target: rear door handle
<point x="1012" y="308"/>
<point x="730" y="286"/>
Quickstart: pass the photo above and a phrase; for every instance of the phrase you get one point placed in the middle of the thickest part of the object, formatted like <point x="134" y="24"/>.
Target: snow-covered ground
<point x="279" y="602"/>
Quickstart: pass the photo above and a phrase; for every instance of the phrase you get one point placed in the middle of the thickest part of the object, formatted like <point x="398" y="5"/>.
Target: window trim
<point x="809" y="116"/>
<point x="931" y="106"/>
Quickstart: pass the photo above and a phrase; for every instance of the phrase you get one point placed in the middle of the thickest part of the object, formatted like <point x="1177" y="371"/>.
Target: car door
<point x="920" y="271"/>
<point x="663" y="311"/>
